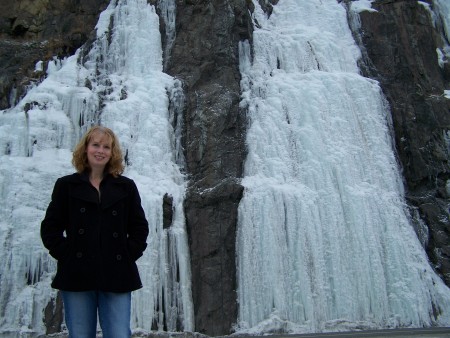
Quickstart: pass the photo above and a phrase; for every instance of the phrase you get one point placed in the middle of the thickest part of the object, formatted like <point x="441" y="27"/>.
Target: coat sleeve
<point x="137" y="227"/>
<point x="54" y="223"/>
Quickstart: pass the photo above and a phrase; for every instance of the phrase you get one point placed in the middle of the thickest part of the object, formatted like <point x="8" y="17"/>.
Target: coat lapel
<point x="113" y="190"/>
<point x="83" y="191"/>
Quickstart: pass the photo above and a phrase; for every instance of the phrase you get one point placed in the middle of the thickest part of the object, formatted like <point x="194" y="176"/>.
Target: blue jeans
<point x="80" y="312"/>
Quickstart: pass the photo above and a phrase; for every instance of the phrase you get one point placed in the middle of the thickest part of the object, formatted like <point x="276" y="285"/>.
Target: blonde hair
<point x="79" y="158"/>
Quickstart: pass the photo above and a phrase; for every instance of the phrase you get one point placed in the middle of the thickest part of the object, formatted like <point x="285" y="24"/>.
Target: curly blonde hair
<point x="79" y="158"/>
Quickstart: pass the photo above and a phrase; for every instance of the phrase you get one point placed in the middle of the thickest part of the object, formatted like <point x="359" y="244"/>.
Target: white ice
<point x="324" y="236"/>
<point x="119" y="83"/>
<point x="362" y="5"/>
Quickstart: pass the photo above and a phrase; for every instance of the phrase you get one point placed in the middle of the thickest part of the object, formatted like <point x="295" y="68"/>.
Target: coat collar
<point x="112" y="190"/>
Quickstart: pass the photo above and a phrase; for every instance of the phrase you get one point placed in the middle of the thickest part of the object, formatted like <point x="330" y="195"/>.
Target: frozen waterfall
<point x="324" y="239"/>
<point x="119" y="83"/>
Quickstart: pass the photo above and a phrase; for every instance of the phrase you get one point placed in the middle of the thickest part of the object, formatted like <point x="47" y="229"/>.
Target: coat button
<point x="82" y="210"/>
<point x="115" y="234"/>
<point x="114" y="213"/>
<point x="79" y="254"/>
<point x="119" y="257"/>
<point x="81" y="231"/>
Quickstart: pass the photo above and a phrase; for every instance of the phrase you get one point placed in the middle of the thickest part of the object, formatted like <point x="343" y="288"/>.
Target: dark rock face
<point x="53" y="315"/>
<point x="38" y="30"/>
<point x="204" y="56"/>
<point x="400" y="41"/>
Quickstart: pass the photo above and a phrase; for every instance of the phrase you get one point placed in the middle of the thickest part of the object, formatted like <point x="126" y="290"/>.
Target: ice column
<point x="324" y="240"/>
<point x="441" y="15"/>
<point x="168" y="9"/>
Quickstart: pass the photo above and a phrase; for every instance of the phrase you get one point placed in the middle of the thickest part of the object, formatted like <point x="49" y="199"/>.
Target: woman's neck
<point x="95" y="177"/>
<point x="96" y="173"/>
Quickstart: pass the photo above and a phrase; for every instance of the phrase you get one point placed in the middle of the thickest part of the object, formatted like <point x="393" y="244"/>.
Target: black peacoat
<point x="96" y="239"/>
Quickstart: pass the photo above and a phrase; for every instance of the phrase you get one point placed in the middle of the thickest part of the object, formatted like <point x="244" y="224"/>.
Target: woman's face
<point x="98" y="151"/>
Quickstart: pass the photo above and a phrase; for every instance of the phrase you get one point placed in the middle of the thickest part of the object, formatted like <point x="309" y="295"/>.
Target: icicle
<point x="176" y="110"/>
<point x="441" y="15"/>
<point x="168" y="13"/>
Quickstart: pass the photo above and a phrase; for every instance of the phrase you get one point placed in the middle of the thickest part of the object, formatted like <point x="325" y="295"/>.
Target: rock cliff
<point x="204" y="56"/>
<point x="399" y="44"/>
<point x="39" y="30"/>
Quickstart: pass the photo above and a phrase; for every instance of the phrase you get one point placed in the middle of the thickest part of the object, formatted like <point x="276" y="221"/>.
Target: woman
<point x="96" y="229"/>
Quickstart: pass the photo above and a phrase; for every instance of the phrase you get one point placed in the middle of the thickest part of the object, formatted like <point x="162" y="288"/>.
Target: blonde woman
<point x="96" y="229"/>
